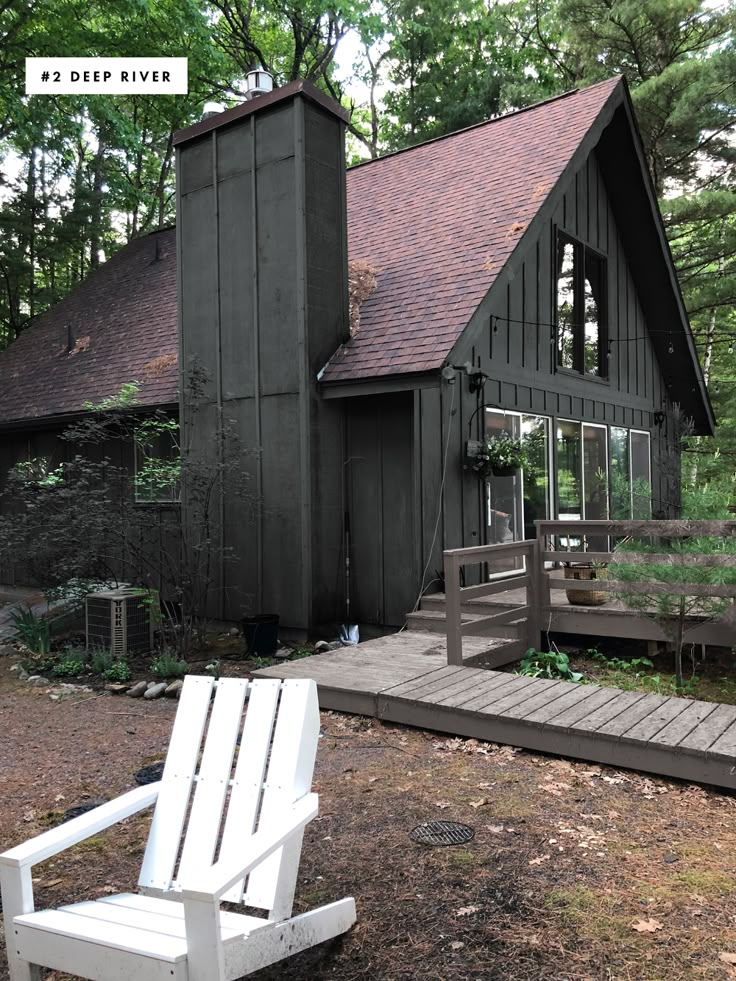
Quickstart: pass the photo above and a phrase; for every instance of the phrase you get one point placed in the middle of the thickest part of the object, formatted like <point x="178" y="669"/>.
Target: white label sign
<point x="106" y="76"/>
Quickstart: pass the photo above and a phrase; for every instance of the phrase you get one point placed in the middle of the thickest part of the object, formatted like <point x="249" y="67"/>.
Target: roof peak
<point x="611" y="82"/>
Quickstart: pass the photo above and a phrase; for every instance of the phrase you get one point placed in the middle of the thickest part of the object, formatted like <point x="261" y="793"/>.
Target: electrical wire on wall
<point x="439" y="504"/>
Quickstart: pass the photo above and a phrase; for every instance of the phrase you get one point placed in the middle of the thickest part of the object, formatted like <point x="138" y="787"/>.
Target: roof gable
<point x="440" y="220"/>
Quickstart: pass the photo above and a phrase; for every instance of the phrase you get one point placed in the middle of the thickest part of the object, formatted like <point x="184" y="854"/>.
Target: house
<point x="523" y="285"/>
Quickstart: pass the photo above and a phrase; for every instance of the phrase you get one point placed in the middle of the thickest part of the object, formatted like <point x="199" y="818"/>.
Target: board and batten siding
<point x="263" y="303"/>
<point x="511" y="339"/>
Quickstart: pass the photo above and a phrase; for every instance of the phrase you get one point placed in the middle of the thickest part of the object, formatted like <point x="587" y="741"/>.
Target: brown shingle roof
<point x="438" y="221"/>
<point x="121" y="320"/>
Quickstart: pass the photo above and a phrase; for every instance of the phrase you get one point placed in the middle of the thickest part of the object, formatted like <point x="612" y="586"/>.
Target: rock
<point x="14" y="667"/>
<point x="283" y="653"/>
<point x="172" y="691"/>
<point x="137" y="690"/>
<point x="38" y="680"/>
<point x="152" y="684"/>
<point x="22" y="675"/>
<point x="156" y="691"/>
<point x="54" y="698"/>
<point x="116" y="689"/>
<point x="234" y="632"/>
<point x="321" y="647"/>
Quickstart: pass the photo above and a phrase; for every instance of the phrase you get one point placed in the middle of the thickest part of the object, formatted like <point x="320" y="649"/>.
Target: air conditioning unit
<point x="119" y="620"/>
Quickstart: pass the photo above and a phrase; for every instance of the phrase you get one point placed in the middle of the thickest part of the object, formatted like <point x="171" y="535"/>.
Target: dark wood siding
<point x="263" y="280"/>
<point x="381" y="501"/>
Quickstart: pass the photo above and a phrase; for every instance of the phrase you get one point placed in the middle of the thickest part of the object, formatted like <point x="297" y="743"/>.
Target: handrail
<point x="455" y="559"/>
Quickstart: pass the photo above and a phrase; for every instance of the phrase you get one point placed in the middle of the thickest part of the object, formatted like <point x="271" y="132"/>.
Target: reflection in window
<point x="515" y="502"/>
<point x="620" y="474"/>
<point x="580" y="307"/>
<point x="641" y="476"/>
<point x="569" y="500"/>
<point x="593" y="312"/>
<point x="566" y="304"/>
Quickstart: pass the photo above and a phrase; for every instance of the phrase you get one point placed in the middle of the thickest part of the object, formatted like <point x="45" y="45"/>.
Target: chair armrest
<point x="211" y="883"/>
<point x="52" y="842"/>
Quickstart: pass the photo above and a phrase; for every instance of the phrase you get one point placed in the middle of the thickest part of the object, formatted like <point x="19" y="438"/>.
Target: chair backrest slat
<point x="245" y="797"/>
<point x="178" y="776"/>
<point x="233" y="798"/>
<point x="288" y="777"/>
<point x="205" y="819"/>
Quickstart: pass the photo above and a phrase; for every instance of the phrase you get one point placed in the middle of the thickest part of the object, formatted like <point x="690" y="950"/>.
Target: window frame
<point x="581" y="250"/>
<point x="146" y="501"/>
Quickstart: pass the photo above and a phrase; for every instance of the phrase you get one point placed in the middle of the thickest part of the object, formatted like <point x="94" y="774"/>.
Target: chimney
<point x="262" y="274"/>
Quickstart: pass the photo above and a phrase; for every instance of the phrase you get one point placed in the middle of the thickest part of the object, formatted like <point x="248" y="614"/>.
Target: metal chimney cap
<point x="212" y="109"/>
<point x="258" y="82"/>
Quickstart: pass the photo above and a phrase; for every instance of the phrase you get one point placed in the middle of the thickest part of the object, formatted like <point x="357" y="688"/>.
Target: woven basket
<point x="589" y="573"/>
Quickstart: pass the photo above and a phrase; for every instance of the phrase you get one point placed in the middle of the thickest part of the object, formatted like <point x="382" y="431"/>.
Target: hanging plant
<point x="500" y="456"/>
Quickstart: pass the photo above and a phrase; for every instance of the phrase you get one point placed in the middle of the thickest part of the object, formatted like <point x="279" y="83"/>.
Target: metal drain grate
<point x="442" y="833"/>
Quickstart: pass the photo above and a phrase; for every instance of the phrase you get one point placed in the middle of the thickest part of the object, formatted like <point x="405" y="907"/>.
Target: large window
<point x="631" y="474"/>
<point x="580" y="307"/>
<point x="582" y="471"/>
<point x="515" y="502"/>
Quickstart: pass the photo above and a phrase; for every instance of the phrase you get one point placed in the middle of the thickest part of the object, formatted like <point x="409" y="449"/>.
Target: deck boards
<point x="405" y="678"/>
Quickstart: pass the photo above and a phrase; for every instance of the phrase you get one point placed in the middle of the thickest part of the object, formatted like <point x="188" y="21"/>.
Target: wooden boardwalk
<point x="404" y="678"/>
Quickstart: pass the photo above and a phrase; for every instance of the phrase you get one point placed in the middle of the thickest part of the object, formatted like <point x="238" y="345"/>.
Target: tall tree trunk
<point x="31" y="209"/>
<point x="96" y="203"/>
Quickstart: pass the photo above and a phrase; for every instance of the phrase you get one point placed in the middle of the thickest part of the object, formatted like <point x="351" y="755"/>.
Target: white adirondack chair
<point x="228" y="825"/>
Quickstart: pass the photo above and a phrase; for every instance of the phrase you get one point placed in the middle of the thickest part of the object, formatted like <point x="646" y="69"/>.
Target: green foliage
<point x="69" y="667"/>
<point x="261" y="662"/>
<point x="102" y="662"/>
<point x="632" y="665"/>
<point x="548" y="664"/>
<point x="168" y="665"/>
<point x="119" y="671"/>
<point x="33" y="630"/>
<point x="126" y="397"/>
<point x="676" y="612"/>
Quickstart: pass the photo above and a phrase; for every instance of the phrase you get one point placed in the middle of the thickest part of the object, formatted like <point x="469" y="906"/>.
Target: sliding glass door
<point x="513" y="503"/>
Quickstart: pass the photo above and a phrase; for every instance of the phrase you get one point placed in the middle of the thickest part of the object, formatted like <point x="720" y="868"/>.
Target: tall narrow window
<point x="580" y="307"/>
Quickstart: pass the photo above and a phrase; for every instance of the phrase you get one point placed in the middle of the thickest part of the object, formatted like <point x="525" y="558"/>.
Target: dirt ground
<point x="575" y="872"/>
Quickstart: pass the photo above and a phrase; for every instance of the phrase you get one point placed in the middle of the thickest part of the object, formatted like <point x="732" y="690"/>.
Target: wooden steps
<point x="404" y="678"/>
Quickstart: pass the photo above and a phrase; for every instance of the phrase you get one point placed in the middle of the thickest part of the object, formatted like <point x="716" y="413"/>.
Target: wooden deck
<point x="404" y="678"/>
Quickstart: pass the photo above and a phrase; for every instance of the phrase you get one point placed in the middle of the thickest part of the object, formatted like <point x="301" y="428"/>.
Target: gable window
<point x="580" y="297"/>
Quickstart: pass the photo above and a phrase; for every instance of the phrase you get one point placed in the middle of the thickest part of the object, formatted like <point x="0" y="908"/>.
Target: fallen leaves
<point x="647" y="926"/>
<point x="467" y="910"/>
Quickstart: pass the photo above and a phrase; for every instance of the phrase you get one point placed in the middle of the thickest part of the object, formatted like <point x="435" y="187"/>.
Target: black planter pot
<point x="504" y="471"/>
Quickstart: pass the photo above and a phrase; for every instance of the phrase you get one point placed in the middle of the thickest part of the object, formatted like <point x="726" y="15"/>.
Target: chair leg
<point x="205" y="959"/>
<point x="17" y="893"/>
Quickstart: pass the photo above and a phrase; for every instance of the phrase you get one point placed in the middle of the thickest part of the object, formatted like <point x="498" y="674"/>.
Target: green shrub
<point x="33" y="630"/>
<point x="548" y="664"/>
<point x="169" y="666"/>
<point x="118" y="671"/>
<point x="68" y="667"/>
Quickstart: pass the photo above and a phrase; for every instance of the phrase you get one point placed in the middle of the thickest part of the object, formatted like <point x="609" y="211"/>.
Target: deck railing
<point x="585" y="531"/>
<point x="525" y="619"/>
<point x="560" y="542"/>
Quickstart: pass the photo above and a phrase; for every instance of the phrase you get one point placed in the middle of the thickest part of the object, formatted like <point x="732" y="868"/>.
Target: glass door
<point x="514" y="502"/>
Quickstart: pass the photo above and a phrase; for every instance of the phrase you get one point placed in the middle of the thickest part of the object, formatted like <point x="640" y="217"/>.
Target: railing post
<point x="544" y="599"/>
<point x="452" y="610"/>
<point x="533" y="596"/>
